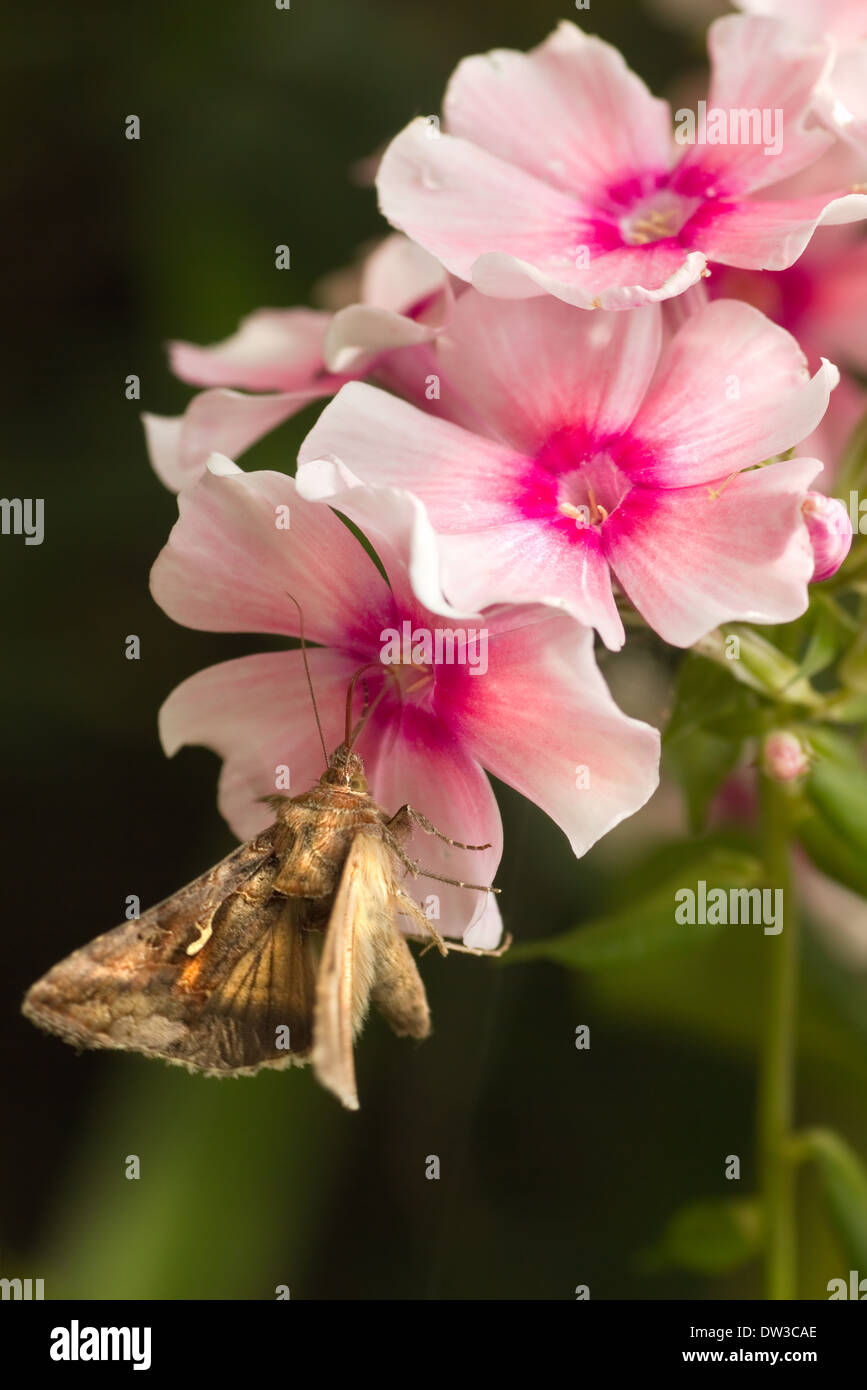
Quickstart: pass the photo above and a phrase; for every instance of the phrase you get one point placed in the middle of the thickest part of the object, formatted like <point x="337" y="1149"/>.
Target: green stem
<point x="777" y="1078"/>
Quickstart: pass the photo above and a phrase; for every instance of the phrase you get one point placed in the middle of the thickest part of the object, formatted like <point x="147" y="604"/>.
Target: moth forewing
<point x="219" y="977"/>
<point x="364" y="957"/>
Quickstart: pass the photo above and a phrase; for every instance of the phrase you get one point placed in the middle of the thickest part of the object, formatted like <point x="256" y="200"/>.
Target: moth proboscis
<point x="272" y="957"/>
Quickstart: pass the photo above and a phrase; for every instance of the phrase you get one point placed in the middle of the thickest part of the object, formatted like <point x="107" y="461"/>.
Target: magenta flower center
<point x="413" y="678"/>
<point x="657" y="217"/>
<point x="573" y="481"/>
<point x="408" y="660"/>
<point x="589" y="493"/>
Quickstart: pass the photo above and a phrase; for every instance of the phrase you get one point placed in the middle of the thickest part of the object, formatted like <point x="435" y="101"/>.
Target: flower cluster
<point x="567" y="388"/>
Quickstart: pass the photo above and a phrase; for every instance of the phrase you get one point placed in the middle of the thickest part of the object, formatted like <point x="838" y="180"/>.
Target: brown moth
<point x="271" y="958"/>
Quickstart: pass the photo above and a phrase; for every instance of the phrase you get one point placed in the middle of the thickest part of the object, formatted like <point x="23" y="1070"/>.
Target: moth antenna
<point x="365" y="715"/>
<point x="307" y="673"/>
<point x="352" y="734"/>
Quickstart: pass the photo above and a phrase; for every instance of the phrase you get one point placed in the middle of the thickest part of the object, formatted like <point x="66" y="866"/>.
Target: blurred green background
<point x="557" y="1166"/>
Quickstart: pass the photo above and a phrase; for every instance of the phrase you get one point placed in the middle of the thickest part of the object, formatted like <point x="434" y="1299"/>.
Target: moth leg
<point x="418" y="871"/>
<point x="397" y="849"/>
<point x="469" y="950"/>
<point x="408" y="905"/>
<point x="407" y="816"/>
<point x="414" y="868"/>
<point x="495" y="951"/>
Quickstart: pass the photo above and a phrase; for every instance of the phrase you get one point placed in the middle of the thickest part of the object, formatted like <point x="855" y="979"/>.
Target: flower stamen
<point x="422" y="680"/>
<point x="582" y="514"/>
<point x="715" y="493"/>
<point x="654" y="225"/>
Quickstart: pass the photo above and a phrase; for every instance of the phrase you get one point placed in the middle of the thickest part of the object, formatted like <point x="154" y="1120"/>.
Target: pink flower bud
<point x="784" y="757"/>
<point x="830" y="530"/>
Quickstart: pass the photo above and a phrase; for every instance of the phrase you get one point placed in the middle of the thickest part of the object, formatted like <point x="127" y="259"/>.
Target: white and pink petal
<point x="217" y="422"/>
<point x="691" y="558"/>
<point x="273" y="350"/>
<point x="760" y="65"/>
<point x="532" y="367"/>
<point x="597" y="276"/>
<point x="458" y="201"/>
<point x="406" y="298"/>
<point x="570" y="112"/>
<point x="543" y="720"/>
<point x="245" y="542"/>
<point x="769" y="234"/>
<point x="464" y="480"/>
<point x="732" y="389"/>
<point x="412" y="757"/>
<point x="397" y="525"/>
<point x="534" y="561"/>
<point x="255" y="713"/>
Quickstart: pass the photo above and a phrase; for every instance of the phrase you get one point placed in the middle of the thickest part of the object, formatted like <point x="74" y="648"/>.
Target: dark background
<point x="558" y="1166"/>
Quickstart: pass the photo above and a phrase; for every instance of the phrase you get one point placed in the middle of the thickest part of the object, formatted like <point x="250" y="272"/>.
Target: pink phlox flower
<point x="557" y="172"/>
<point x="519" y="694"/>
<point x="603" y="455"/>
<point x="841" y="99"/>
<point x="281" y="360"/>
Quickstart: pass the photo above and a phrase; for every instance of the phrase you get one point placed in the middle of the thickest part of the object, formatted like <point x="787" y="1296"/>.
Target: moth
<point x="273" y="957"/>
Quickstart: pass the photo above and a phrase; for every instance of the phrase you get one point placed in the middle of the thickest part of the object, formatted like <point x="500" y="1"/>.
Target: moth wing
<point x="364" y="957"/>
<point x="399" y="992"/>
<point x="205" y="979"/>
<point x="345" y="970"/>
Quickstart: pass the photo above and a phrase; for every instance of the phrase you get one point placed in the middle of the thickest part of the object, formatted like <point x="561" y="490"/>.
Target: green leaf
<point x="836" y="987"/>
<point x="166" y="1221"/>
<point x="711" y="716"/>
<point x="833" y="855"/>
<point x="704" y="694"/>
<point x="647" y="928"/>
<point x="837" y="788"/>
<point x="701" y="764"/>
<point x="757" y="663"/>
<point x="710" y="1237"/>
<point x="844" y="1182"/>
<point x="690" y="993"/>
<point x="830" y="631"/>
<point x="852" y="472"/>
<point x="853" y="667"/>
<point x="843" y="708"/>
